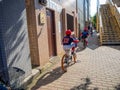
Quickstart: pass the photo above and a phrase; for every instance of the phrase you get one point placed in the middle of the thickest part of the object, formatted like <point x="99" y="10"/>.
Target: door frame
<point x="54" y="27"/>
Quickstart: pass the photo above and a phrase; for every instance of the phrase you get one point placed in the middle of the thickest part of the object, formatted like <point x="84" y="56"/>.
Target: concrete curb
<point x="38" y="72"/>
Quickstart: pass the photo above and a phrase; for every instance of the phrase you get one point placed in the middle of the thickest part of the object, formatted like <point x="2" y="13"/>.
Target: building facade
<point x="80" y="8"/>
<point x="15" y="61"/>
<point x="83" y="8"/>
<point x="47" y="25"/>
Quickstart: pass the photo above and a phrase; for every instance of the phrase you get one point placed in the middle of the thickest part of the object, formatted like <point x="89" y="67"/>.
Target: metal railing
<point x="101" y="36"/>
<point x="116" y="14"/>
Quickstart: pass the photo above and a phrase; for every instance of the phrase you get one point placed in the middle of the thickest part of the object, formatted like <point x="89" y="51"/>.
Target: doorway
<point x="70" y="22"/>
<point x="51" y="32"/>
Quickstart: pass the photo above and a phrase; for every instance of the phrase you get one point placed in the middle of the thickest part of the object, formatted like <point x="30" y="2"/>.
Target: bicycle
<point x="83" y="39"/>
<point x="67" y="58"/>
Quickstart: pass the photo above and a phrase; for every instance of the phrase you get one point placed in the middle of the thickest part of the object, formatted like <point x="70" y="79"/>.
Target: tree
<point x="93" y="19"/>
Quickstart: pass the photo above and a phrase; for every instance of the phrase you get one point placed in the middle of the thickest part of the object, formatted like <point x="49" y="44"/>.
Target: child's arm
<point x="76" y="41"/>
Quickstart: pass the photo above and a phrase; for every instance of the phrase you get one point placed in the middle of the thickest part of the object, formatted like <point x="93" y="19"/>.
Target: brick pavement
<point x="97" y="68"/>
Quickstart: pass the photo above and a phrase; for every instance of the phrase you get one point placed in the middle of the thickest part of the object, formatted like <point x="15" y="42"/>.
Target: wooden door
<point x="51" y="33"/>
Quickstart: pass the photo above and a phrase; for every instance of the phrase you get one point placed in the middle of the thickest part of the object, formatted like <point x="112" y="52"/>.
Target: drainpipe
<point x="76" y="19"/>
<point x="84" y="11"/>
<point x="76" y="6"/>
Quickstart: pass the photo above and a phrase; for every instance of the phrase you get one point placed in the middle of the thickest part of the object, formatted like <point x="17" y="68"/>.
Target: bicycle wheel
<point x="84" y="43"/>
<point x="63" y="63"/>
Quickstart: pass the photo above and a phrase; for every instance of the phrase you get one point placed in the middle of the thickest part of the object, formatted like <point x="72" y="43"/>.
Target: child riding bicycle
<point x="69" y="43"/>
<point x="84" y="35"/>
<point x="69" y="48"/>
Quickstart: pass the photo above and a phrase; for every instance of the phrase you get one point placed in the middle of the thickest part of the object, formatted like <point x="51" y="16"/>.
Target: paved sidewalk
<point x="97" y="68"/>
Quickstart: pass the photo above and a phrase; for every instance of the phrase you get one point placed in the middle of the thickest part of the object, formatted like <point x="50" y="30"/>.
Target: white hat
<point x="72" y="33"/>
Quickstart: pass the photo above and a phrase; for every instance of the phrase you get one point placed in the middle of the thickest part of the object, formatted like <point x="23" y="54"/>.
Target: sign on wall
<point x="59" y="26"/>
<point x="42" y="17"/>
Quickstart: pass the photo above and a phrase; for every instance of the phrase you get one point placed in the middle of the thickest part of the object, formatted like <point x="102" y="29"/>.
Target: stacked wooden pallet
<point x="109" y="32"/>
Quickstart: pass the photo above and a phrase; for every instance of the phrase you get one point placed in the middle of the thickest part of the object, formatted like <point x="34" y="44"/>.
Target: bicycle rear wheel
<point x="84" y="43"/>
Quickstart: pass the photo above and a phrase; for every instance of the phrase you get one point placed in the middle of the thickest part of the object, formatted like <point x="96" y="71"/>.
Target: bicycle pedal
<point x="65" y="61"/>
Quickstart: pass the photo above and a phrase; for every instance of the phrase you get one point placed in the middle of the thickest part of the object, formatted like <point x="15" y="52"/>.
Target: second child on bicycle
<point x="75" y="41"/>
<point x="84" y="35"/>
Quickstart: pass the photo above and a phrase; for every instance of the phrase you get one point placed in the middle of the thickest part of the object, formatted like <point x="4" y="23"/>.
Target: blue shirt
<point x="84" y="33"/>
<point x="67" y="40"/>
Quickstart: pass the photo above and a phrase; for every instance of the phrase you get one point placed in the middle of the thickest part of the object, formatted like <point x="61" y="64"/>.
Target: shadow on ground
<point x="48" y="78"/>
<point x="93" y="47"/>
<point x="79" y="49"/>
<point x="117" y="47"/>
<point x="84" y="86"/>
<point x="117" y="87"/>
<point x="93" y="43"/>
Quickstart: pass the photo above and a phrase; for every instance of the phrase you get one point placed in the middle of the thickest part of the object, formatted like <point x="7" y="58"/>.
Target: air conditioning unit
<point x="43" y="2"/>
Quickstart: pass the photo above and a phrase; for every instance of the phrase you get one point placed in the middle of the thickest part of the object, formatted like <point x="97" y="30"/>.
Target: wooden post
<point x="100" y="35"/>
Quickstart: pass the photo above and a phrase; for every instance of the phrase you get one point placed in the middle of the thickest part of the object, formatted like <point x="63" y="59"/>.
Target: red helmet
<point x="68" y="32"/>
<point x="85" y="29"/>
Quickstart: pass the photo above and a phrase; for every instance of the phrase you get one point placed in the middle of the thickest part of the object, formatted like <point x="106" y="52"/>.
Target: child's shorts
<point x="66" y="47"/>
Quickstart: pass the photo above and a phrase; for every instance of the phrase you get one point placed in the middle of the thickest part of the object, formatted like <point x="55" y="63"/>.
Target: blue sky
<point x="93" y="6"/>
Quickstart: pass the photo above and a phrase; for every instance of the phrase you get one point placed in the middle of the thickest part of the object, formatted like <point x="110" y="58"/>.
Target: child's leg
<point x="86" y="41"/>
<point x="73" y="49"/>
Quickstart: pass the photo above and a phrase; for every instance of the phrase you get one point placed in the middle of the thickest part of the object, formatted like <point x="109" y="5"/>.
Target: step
<point x="110" y="43"/>
<point x="111" y="40"/>
<point x="110" y="36"/>
<point x="107" y="32"/>
<point x="113" y="34"/>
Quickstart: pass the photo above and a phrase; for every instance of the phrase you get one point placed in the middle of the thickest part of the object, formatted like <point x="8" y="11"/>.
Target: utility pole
<point x="76" y="19"/>
<point x="97" y="16"/>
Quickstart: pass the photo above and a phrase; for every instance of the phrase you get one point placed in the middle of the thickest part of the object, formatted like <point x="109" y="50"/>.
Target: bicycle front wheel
<point x="63" y="63"/>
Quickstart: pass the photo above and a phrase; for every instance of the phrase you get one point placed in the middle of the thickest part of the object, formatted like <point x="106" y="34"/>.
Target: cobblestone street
<point x="97" y="68"/>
